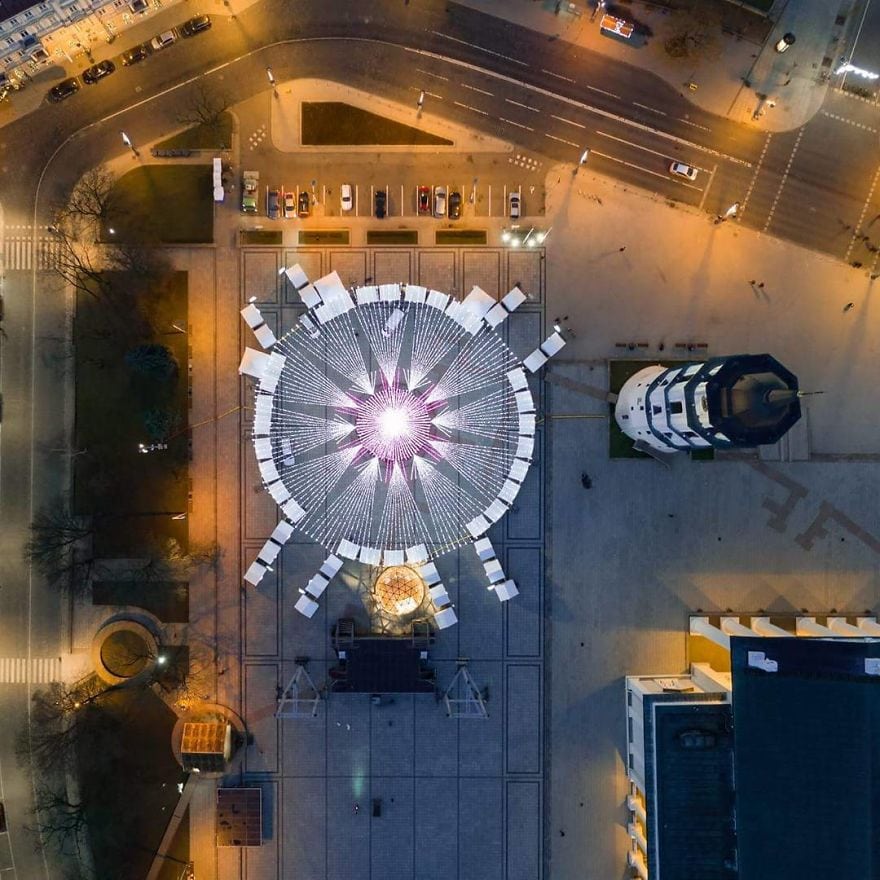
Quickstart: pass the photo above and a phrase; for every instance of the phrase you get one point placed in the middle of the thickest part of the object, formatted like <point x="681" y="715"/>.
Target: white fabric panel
<point x="495" y="315"/>
<point x="518" y="470"/>
<point x="438" y="300"/>
<point x="509" y="491"/>
<point x="416" y="293"/>
<point x="478" y="302"/>
<point x="429" y="574"/>
<point x="282" y="532"/>
<point x="265" y="336"/>
<point x="262" y="421"/>
<point x="495" y="511"/>
<point x="347" y="549"/>
<point x="253" y="363"/>
<point x="330" y="566"/>
<point x="367" y="295"/>
<point x="494" y="572"/>
<point x="268" y="471"/>
<point x="513" y="299"/>
<point x="525" y="447"/>
<point x="445" y="618"/>
<point x="439" y="596"/>
<point x="392" y="557"/>
<point x="309" y="327"/>
<point x="309" y="296"/>
<point x="471" y="322"/>
<point x="292" y="510"/>
<point x="268" y="384"/>
<point x="535" y="360"/>
<point x="306" y="606"/>
<point x="506" y="591"/>
<point x="478" y="526"/>
<point x="252" y="316"/>
<point x="526" y="424"/>
<point x="416" y="554"/>
<point x="263" y="448"/>
<point x="279" y="492"/>
<point x="484" y="549"/>
<point x="370" y="556"/>
<point x="316" y="586"/>
<point x="268" y="553"/>
<point x="296" y="276"/>
<point x="389" y="292"/>
<point x="552" y="344"/>
<point x="517" y="379"/>
<point x="331" y="288"/>
<point x="393" y="321"/>
<point x="524" y="402"/>
<point x="255" y="573"/>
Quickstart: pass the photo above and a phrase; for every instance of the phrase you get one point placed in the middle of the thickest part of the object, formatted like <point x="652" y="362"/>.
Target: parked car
<point x="273" y="203"/>
<point x="289" y="205"/>
<point x="514" y="205"/>
<point x="681" y="170"/>
<point x="345" y="198"/>
<point x="304" y="209"/>
<point x="164" y="40"/>
<point x="135" y="54"/>
<point x="98" y="71"/>
<point x="439" y="201"/>
<point x="381" y="203"/>
<point x="454" y="205"/>
<point x="424" y="200"/>
<point x="195" y="25"/>
<point x="64" y="89"/>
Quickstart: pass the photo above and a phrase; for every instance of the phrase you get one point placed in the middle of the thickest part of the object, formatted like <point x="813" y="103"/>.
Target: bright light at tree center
<point x="393" y="424"/>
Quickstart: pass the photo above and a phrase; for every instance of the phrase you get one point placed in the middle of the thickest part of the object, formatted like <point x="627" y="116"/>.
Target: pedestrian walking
<point x="586" y="482"/>
<point x="622" y="249"/>
<point x="849" y="306"/>
<point x="761" y="285"/>
<point x="357" y="808"/>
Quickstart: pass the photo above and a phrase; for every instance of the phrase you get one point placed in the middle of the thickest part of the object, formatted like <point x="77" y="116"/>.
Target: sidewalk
<point x="791" y="80"/>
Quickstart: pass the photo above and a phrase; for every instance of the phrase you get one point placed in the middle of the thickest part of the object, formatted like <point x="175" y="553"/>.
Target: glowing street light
<point x="584" y="156"/>
<point x="127" y="141"/>
<point x="270" y="76"/>
<point x="421" y="100"/>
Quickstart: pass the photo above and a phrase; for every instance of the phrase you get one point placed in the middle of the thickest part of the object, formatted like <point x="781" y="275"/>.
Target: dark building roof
<point x="807" y="752"/>
<point x="8" y="8"/>
<point x="694" y="777"/>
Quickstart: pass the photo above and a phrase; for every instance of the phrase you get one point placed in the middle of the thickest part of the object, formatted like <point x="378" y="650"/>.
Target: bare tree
<point x="61" y="547"/>
<point x="205" y="107"/>
<point x="94" y="197"/>
<point x="61" y="821"/>
<point x="695" y="32"/>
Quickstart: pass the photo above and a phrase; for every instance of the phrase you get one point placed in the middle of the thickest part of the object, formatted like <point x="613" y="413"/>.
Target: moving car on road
<point x="679" y="169"/>
<point x="135" y="54"/>
<point x="195" y="25"/>
<point x="98" y="71"/>
<point x="304" y="204"/>
<point x="273" y="202"/>
<point x="381" y="204"/>
<point x="439" y="201"/>
<point x="345" y="199"/>
<point x="64" y="89"/>
<point x="164" y="40"/>
<point x="424" y="200"/>
<point x="454" y="205"/>
<point x="514" y="205"/>
<point x="289" y="205"/>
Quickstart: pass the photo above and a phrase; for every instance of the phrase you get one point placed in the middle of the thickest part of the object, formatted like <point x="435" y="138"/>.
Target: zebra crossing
<point x="40" y="670"/>
<point x="18" y="250"/>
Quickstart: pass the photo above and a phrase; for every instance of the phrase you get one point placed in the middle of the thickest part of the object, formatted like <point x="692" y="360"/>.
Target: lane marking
<point x="603" y="92"/>
<point x="431" y="73"/>
<point x="646" y="170"/>
<point x="468" y="107"/>
<point x="561" y="140"/>
<point x="794" y="150"/>
<point x="851" y="122"/>
<point x="475" y="46"/>
<point x="431" y="94"/>
<point x="568" y="121"/>
<point x="524" y="106"/>
<point x="694" y="124"/>
<point x="646" y="107"/>
<point x="517" y="124"/>
<point x="557" y="75"/>
<point x="858" y="230"/>
<point x="475" y="89"/>
<point x="754" y="179"/>
<point x="708" y="186"/>
<point x="632" y="144"/>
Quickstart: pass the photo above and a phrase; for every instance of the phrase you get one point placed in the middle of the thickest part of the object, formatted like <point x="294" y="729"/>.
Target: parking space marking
<point x="603" y="92"/>
<point x="557" y="75"/>
<point x="469" y="107"/>
<point x="481" y="48"/>
<point x="568" y="121"/>
<point x="561" y="140"/>
<point x="475" y="89"/>
<point x="517" y="124"/>
<point x="524" y="106"/>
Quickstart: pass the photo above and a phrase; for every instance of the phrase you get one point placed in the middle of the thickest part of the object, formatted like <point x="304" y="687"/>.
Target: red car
<point x="424" y="200"/>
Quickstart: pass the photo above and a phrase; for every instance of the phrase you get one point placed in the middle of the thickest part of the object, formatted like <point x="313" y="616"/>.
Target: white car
<point x="679" y="169"/>
<point x="439" y="201"/>
<point x="164" y="40"/>
<point x="514" y="205"/>
<point x="345" y="197"/>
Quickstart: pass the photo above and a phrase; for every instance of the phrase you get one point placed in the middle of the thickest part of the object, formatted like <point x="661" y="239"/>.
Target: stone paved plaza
<point x="461" y="798"/>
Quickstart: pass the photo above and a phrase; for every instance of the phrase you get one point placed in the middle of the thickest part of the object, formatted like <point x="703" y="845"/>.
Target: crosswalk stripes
<point x="14" y="670"/>
<point x="17" y="249"/>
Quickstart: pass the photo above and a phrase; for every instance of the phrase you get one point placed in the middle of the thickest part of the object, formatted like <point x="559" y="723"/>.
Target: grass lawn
<point x="134" y="494"/>
<point x="168" y="600"/>
<point x="333" y="122"/>
<point x="171" y="204"/>
<point x="128" y="778"/>
<point x="202" y="137"/>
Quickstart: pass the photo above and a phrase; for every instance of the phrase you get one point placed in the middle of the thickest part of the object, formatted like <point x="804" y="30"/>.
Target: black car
<point x="132" y="56"/>
<point x="454" y="205"/>
<point x="195" y="25"/>
<point x="303" y="204"/>
<point x="64" y="89"/>
<point x="98" y="71"/>
<point x="273" y="204"/>
<point x="381" y="202"/>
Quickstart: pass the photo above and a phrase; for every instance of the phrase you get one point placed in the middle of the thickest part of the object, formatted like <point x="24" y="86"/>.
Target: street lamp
<point x="421" y="100"/>
<point x="271" y="77"/>
<point x="584" y="156"/>
<point x="127" y="141"/>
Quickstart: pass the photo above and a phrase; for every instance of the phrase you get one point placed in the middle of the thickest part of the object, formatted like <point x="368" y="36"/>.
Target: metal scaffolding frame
<point x="300" y="699"/>
<point x="463" y="698"/>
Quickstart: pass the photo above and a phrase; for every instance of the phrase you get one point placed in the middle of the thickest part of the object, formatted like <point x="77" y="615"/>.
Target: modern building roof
<point x="205" y="746"/>
<point x="807" y="749"/>
<point x="694" y="783"/>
